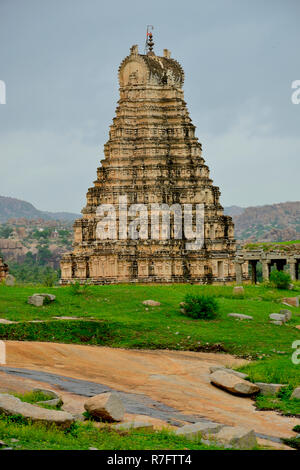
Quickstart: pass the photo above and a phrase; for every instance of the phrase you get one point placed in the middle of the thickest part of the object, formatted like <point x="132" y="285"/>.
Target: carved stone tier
<point x="152" y="157"/>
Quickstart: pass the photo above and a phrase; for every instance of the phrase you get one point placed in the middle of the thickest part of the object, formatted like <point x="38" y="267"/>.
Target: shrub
<point x="205" y="307"/>
<point x="280" y="279"/>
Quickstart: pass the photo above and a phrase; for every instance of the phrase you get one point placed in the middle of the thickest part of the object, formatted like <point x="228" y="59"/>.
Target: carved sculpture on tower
<point x="153" y="161"/>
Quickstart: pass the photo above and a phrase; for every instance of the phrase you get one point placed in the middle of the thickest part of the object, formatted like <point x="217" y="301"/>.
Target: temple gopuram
<point x="152" y="158"/>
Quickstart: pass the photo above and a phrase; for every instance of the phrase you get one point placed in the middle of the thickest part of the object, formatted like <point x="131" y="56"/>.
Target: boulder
<point x="238" y="290"/>
<point x="229" y="371"/>
<point x="106" y="406"/>
<point x="293" y="301"/>
<point x="137" y="425"/>
<point x="236" y="437"/>
<point x="269" y="389"/>
<point x="278" y="317"/>
<point x="195" y="432"/>
<point x="240" y="316"/>
<point x="233" y="384"/>
<point x="10" y="405"/>
<point x="38" y="299"/>
<point x="287" y="313"/>
<point x="296" y="393"/>
<point x="49" y="393"/>
<point x="151" y="303"/>
<point x="10" y="280"/>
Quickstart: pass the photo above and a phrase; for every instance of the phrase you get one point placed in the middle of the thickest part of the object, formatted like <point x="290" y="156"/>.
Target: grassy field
<point x="82" y="436"/>
<point x="114" y="316"/>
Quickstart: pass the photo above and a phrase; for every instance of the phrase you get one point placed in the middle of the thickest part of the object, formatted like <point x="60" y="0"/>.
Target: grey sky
<point x="60" y="58"/>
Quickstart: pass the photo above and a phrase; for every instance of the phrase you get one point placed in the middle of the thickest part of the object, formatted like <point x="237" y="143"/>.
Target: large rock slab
<point x="195" y="432"/>
<point x="269" y="389"/>
<point x="137" y="425"/>
<point x="233" y="384"/>
<point x="296" y="393"/>
<point x="278" y="317"/>
<point x="236" y="437"/>
<point x="106" y="406"/>
<point x="151" y="303"/>
<point x="39" y="299"/>
<point x="293" y="301"/>
<point x="229" y="371"/>
<point x="240" y="316"/>
<point x="10" y="405"/>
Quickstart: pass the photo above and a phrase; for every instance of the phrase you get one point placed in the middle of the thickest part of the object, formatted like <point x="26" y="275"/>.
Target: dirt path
<point x="179" y="380"/>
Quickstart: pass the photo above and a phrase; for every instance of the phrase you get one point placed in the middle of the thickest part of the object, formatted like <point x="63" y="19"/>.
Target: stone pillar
<point x="265" y="269"/>
<point x="292" y="264"/>
<point x="238" y="271"/>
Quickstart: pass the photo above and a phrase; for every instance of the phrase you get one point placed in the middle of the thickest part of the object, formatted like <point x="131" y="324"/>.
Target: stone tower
<point x="152" y="158"/>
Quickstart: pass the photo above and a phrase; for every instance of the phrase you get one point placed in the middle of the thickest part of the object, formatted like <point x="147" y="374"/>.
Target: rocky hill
<point x="11" y="208"/>
<point x="275" y="222"/>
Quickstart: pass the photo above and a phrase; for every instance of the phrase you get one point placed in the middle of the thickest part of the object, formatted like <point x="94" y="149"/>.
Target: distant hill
<point x="274" y="222"/>
<point x="233" y="210"/>
<point x="11" y="208"/>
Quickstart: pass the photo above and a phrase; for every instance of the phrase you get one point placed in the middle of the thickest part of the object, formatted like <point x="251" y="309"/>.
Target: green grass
<point x="34" y="397"/>
<point x="114" y="316"/>
<point x="85" y="435"/>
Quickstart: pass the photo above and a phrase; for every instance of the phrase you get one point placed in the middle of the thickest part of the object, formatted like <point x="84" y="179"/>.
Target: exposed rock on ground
<point x="233" y="384"/>
<point x="105" y="406"/>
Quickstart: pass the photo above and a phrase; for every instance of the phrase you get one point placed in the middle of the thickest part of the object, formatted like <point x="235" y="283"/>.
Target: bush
<point x="205" y="307"/>
<point x="280" y="279"/>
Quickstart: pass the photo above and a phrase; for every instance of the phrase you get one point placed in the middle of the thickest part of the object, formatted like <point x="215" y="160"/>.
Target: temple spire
<point x="149" y="40"/>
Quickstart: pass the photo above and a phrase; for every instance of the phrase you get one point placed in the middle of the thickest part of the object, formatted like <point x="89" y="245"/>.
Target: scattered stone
<point x="54" y="402"/>
<point x="93" y="448"/>
<point x="291" y="286"/>
<point x="38" y="299"/>
<point x="278" y="317"/>
<point x="233" y="384"/>
<point x="276" y="322"/>
<point x="14" y="440"/>
<point x="107" y="406"/>
<point x="66" y="318"/>
<point x="296" y="393"/>
<point x="196" y="431"/>
<point x="287" y="313"/>
<point x="236" y="437"/>
<point x="10" y="405"/>
<point x="229" y="371"/>
<point x="298" y="327"/>
<point x="2" y="444"/>
<point x="269" y="389"/>
<point x="238" y="290"/>
<point x="240" y="316"/>
<point x="49" y="393"/>
<point x="139" y="425"/>
<point x="293" y="301"/>
<point x="10" y="280"/>
<point x="182" y="304"/>
<point x="151" y="303"/>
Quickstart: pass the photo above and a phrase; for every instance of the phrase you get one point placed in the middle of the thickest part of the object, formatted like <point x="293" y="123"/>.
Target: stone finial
<point x="134" y="50"/>
<point x="167" y="54"/>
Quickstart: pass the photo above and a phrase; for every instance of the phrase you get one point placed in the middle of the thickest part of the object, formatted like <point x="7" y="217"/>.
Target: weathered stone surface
<point x="233" y="384"/>
<point x="296" y="393"/>
<point x="140" y="425"/>
<point x="151" y="303"/>
<point x="106" y="406"/>
<point x="238" y="290"/>
<point x="49" y="393"/>
<point x="54" y="402"/>
<point x="293" y="301"/>
<point x="10" y="280"/>
<point x="269" y="389"/>
<point x="240" y="316"/>
<point x="276" y="322"/>
<point x="236" y="437"/>
<point x="278" y="317"/>
<point x="229" y="371"/>
<point x="152" y="157"/>
<point x="10" y="405"/>
<point x="195" y="432"/>
<point x="38" y="299"/>
<point x="287" y="313"/>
